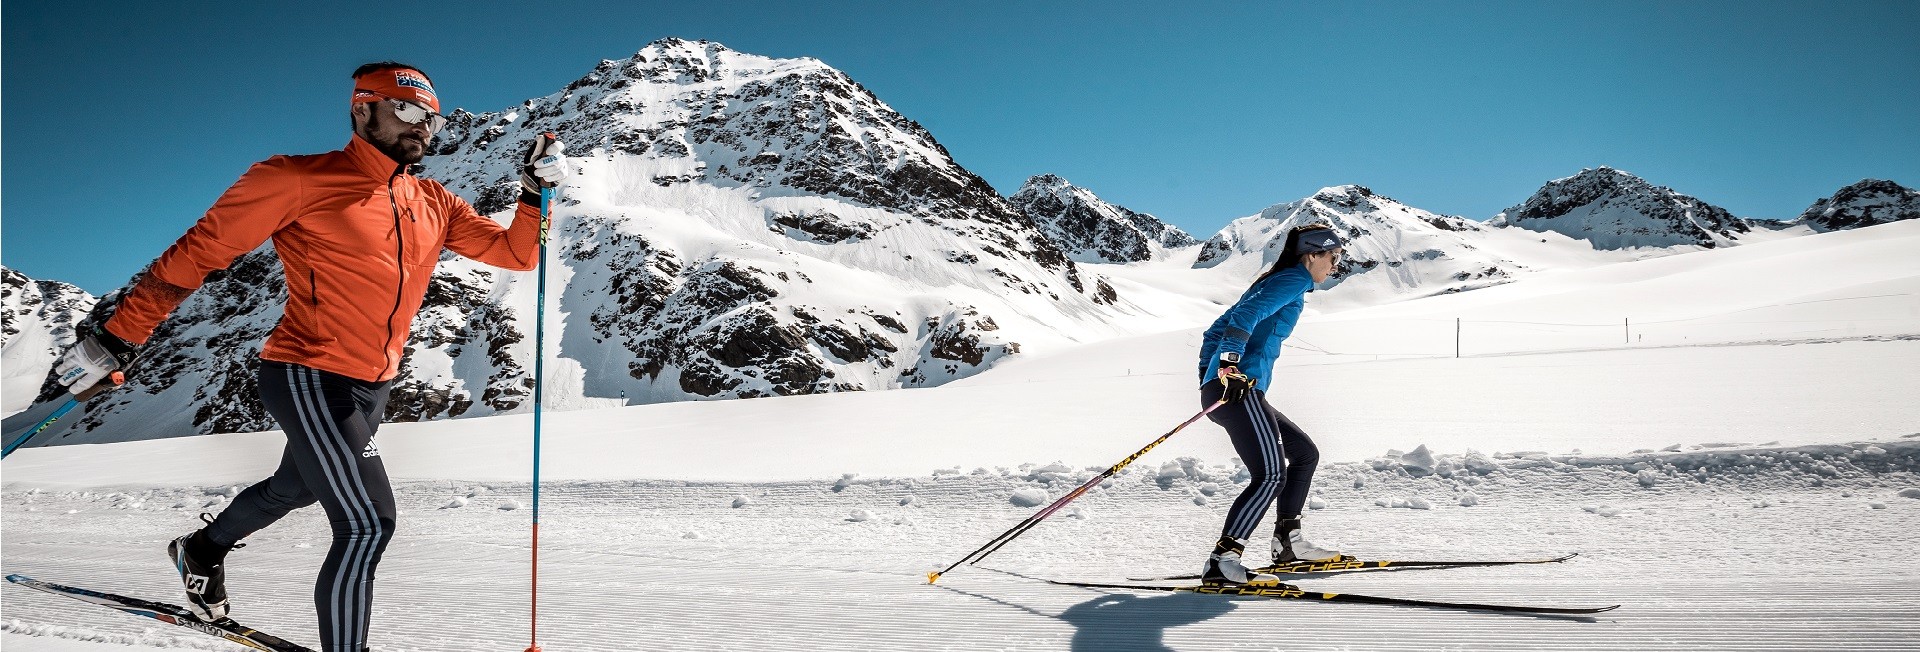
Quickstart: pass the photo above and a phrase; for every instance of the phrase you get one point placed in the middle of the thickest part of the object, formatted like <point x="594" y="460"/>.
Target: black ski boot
<point x="1291" y="548"/>
<point x="1224" y="567"/>
<point x="201" y="566"/>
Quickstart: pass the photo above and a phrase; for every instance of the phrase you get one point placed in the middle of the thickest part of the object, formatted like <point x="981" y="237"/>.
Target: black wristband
<point x="122" y="351"/>
<point x="529" y="197"/>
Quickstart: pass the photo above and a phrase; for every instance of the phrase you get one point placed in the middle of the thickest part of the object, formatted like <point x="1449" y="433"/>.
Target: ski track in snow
<point x="1728" y="549"/>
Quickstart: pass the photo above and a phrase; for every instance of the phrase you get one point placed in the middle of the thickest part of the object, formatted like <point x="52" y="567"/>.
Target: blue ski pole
<point x="539" y="356"/>
<point x="28" y="435"/>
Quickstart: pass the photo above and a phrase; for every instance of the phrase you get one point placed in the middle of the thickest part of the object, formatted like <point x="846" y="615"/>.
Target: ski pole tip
<point x="533" y="648"/>
<point x="933" y="577"/>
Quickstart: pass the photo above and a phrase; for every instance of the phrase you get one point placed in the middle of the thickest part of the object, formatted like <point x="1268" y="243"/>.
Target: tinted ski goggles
<point x="414" y="114"/>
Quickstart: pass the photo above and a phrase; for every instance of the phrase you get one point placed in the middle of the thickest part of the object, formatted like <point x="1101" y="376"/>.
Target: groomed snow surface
<point x="1798" y="548"/>
<point x="1745" y="483"/>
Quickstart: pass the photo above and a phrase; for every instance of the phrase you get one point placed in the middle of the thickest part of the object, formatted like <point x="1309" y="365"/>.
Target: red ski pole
<point x="1017" y="530"/>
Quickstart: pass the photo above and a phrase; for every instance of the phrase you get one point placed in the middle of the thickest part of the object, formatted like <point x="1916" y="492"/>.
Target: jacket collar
<point x="369" y="159"/>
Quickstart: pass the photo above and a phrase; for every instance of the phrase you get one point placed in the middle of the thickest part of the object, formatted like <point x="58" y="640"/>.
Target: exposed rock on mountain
<point x="1866" y="203"/>
<point x="1092" y="230"/>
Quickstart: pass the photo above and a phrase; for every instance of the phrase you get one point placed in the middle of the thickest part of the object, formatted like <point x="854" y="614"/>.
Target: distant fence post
<point x="1626" y="326"/>
<point x="1456" y="337"/>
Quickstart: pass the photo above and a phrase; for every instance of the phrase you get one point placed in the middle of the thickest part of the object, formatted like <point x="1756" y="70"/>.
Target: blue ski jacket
<point x="1256" y="324"/>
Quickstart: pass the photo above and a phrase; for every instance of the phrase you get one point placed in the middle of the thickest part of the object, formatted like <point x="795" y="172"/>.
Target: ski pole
<point x="1017" y="530"/>
<point x="35" y="430"/>
<point x="73" y="400"/>
<point x="539" y="355"/>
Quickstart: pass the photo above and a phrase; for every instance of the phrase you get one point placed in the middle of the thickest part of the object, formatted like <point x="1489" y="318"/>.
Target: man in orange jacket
<point x="358" y="236"/>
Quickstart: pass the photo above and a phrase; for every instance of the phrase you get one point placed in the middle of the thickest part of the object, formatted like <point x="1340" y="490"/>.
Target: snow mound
<point x="1029" y="497"/>
<point x="1419" y="462"/>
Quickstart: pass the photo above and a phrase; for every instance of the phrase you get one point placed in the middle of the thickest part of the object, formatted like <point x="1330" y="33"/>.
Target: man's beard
<point x="396" y="148"/>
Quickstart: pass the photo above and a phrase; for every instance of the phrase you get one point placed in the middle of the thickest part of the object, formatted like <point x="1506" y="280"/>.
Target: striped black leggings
<point x="331" y="459"/>
<point x="1277" y="453"/>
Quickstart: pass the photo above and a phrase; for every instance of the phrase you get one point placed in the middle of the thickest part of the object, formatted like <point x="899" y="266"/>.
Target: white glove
<point x="94" y="363"/>
<point x="546" y="166"/>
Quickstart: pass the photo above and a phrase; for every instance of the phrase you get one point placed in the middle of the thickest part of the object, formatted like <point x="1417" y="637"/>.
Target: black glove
<point x="1236" y="384"/>
<point x="95" y="364"/>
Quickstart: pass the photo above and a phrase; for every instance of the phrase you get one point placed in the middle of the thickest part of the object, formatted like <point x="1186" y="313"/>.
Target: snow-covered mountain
<point x="1614" y="209"/>
<point x="1393" y="250"/>
<point x="744" y="226"/>
<point x="37" y="320"/>
<point x="738" y="226"/>
<point x="1866" y="203"/>
<point x="1092" y="230"/>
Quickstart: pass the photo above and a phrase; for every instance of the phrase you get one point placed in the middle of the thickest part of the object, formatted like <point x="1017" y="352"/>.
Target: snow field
<point x="1696" y="563"/>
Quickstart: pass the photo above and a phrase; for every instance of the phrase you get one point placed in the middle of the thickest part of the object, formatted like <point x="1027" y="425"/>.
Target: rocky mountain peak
<point x="1865" y="203"/>
<point x="1092" y="230"/>
<point x="1614" y="209"/>
<point x="1342" y="193"/>
<point x="681" y="61"/>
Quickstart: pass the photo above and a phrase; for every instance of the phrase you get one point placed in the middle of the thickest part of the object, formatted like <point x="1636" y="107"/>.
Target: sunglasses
<point x="414" y="114"/>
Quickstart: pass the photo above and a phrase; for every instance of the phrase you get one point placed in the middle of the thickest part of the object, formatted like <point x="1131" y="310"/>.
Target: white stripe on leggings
<point x="342" y="477"/>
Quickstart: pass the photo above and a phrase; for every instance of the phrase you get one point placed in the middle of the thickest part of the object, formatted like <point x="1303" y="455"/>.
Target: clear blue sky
<point x="124" y="123"/>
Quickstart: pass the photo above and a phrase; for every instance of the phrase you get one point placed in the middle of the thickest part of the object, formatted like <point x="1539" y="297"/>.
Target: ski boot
<point x="1224" y="567"/>
<point x="200" y="563"/>
<point x="1291" y="548"/>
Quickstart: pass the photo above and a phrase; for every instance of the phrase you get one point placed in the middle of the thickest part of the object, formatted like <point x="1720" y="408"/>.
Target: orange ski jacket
<point x="358" y="237"/>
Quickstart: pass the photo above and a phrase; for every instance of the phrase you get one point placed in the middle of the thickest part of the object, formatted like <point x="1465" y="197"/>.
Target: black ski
<point x="224" y="628"/>
<point x="1348" y="563"/>
<point x="1291" y="592"/>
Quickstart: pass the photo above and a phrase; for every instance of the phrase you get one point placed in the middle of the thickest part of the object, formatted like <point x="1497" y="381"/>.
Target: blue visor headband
<point x="1319" y="240"/>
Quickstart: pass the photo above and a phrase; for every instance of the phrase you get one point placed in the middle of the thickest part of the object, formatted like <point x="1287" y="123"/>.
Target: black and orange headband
<point x="397" y="83"/>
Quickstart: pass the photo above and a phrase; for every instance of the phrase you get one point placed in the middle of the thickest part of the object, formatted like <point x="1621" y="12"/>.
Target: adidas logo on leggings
<point x="373" y="449"/>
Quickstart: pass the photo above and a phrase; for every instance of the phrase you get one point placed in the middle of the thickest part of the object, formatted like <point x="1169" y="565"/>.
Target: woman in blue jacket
<point x="1236" y="364"/>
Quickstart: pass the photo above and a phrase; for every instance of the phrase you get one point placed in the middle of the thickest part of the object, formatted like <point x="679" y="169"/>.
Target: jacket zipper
<point x="400" y="264"/>
<point x="313" y="286"/>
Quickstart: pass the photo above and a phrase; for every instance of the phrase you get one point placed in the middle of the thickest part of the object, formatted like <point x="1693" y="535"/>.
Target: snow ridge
<point x="37" y="320"/>
<point x="1393" y="250"/>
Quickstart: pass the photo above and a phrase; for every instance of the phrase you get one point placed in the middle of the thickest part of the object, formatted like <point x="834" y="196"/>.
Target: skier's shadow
<point x="1123" y="621"/>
